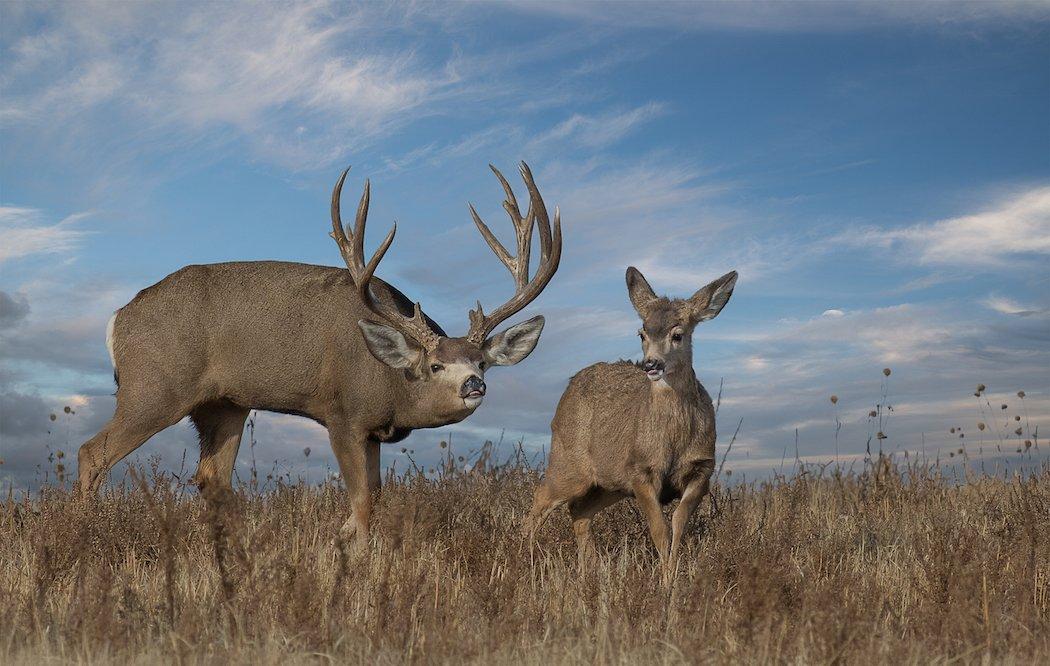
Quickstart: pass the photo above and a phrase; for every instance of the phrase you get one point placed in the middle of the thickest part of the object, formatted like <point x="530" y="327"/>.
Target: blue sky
<point x="878" y="173"/>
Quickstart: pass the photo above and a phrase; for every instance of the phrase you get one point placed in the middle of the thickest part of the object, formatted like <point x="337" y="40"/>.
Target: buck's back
<point x="255" y="332"/>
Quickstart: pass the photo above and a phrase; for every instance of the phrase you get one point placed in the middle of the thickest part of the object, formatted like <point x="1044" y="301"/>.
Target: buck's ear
<point x="710" y="299"/>
<point x="388" y="345"/>
<point x="514" y="344"/>
<point x="639" y="290"/>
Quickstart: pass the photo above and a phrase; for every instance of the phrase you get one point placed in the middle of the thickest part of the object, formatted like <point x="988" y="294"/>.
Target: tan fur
<point x="216" y="341"/>
<point x="617" y="434"/>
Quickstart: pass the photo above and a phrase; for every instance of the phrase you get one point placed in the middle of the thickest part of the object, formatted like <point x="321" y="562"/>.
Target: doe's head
<point x="668" y="323"/>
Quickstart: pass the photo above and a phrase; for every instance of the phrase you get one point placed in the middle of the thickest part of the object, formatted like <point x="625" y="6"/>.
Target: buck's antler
<point x="353" y="251"/>
<point x="526" y="290"/>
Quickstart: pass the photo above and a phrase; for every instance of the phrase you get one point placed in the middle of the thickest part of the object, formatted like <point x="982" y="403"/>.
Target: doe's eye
<point x="641" y="336"/>
<point x="436" y="367"/>
<point x="482" y="365"/>
<point x="677" y="337"/>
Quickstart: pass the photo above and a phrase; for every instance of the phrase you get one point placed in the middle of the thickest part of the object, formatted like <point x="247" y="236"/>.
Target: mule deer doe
<point x="215" y="341"/>
<point x="644" y="430"/>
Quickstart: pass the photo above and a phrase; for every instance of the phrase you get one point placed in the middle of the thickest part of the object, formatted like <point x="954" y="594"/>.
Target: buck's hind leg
<point x="138" y="417"/>
<point x="582" y="511"/>
<point x="220" y="426"/>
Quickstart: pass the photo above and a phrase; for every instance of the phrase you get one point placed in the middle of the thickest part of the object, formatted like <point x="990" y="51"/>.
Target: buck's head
<point x="668" y="323"/>
<point x="448" y="374"/>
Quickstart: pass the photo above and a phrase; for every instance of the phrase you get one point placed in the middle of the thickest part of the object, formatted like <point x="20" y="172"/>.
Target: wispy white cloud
<point x="896" y="334"/>
<point x="298" y="83"/>
<point x="1015" y="228"/>
<point x="763" y="15"/>
<point x="1004" y="305"/>
<point x="437" y="153"/>
<point x="25" y="232"/>
<point x="596" y="131"/>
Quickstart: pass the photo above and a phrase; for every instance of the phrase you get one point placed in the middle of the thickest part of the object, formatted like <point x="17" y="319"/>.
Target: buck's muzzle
<point x="474" y="387"/>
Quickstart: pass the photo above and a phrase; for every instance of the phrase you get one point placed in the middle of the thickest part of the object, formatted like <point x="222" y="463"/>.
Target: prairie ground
<point x="892" y="564"/>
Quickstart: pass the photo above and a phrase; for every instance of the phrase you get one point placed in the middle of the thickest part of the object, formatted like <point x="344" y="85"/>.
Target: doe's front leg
<point x="648" y="498"/>
<point x="694" y="492"/>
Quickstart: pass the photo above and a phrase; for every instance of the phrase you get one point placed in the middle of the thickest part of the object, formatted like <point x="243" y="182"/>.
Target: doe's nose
<point x="652" y="364"/>
<point x="474" y="385"/>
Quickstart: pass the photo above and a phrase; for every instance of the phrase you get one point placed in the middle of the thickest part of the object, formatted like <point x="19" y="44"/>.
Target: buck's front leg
<point x="358" y="457"/>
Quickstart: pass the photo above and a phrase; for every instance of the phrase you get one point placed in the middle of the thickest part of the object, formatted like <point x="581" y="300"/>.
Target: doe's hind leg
<point x="544" y="503"/>
<point x="582" y="510"/>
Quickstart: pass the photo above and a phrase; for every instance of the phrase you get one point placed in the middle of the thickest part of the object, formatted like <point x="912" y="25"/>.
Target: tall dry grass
<point x="892" y="564"/>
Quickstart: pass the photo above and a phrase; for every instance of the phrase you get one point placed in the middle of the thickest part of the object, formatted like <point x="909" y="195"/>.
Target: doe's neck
<point x="680" y="384"/>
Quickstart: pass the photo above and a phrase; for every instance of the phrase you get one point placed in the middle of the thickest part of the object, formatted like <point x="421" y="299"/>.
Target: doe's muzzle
<point x="654" y="368"/>
<point x="652" y="364"/>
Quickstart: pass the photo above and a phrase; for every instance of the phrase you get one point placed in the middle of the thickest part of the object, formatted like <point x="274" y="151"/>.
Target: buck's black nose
<point x="652" y="364"/>
<point x="473" y="387"/>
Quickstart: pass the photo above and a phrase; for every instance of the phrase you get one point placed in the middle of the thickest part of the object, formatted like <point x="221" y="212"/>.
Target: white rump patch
<point x="109" y="340"/>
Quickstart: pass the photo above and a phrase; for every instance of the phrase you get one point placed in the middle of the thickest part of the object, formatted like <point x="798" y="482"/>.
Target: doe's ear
<point x="514" y="344"/>
<point x="638" y="289"/>
<point x="710" y="299"/>
<point x="388" y="345"/>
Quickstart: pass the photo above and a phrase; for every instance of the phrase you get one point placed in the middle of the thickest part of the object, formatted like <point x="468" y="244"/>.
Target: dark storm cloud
<point x="13" y="309"/>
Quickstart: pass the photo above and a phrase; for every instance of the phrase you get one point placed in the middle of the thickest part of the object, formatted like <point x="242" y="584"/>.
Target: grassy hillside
<point x="889" y="565"/>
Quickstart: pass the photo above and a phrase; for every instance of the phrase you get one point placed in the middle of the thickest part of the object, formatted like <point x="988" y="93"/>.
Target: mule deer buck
<point x="645" y="430"/>
<point x="339" y="346"/>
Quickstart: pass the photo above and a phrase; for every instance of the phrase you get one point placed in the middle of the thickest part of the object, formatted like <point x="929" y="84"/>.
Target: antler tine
<point x="497" y="247"/>
<point x="539" y="209"/>
<point x="338" y="233"/>
<point x="359" y="221"/>
<point x="511" y="204"/>
<point x="352" y="249"/>
<point x="526" y="290"/>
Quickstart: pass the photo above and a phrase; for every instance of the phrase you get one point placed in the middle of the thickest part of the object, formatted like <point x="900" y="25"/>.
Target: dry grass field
<point x="892" y="564"/>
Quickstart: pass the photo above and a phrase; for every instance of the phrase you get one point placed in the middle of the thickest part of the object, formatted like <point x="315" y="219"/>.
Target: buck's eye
<point x="676" y="337"/>
<point x="641" y="336"/>
<point x="436" y="367"/>
<point x="482" y="365"/>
